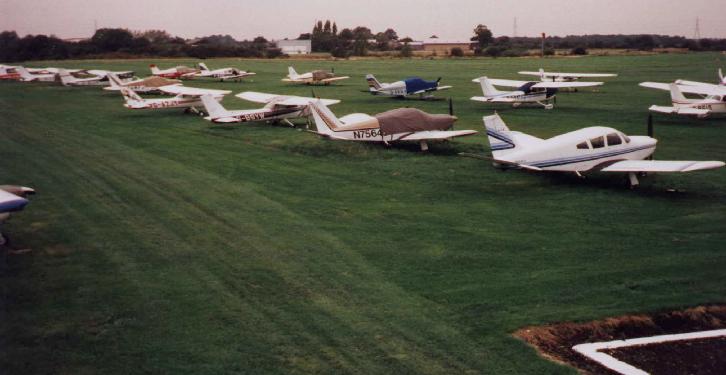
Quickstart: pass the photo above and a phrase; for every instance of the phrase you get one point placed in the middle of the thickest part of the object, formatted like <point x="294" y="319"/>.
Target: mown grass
<point x="161" y="244"/>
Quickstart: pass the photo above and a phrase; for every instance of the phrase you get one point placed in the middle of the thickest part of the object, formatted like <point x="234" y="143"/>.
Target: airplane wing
<point x="437" y="134"/>
<point x="688" y="111"/>
<point x="10" y="202"/>
<point x="570" y="75"/>
<point x="333" y="79"/>
<point x="502" y="99"/>
<point x="562" y="85"/>
<point x="191" y="91"/>
<point x="696" y="83"/>
<point x="261" y="97"/>
<point x="662" y="166"/>
<point x="241" y="75"/>
<point x="687" y="89"/>
<point x="504" y="82"/>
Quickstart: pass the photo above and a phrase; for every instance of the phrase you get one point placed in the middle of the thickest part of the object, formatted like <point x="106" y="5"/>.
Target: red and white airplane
<point x="277" y="108"/>
<point x="146" y="85"/>
<point x="223" y="74"/>
<point x="173" y="73"/>
<point x="26" y="76"/>
<point x="9" y="72"/>
<point x="188" y="98"/>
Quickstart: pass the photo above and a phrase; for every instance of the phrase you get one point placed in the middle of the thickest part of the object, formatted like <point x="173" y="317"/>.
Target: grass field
<point x="162" y="244"/>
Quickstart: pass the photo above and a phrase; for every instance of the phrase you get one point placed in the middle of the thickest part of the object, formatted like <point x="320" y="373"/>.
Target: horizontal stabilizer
<point x="687" y="111"/>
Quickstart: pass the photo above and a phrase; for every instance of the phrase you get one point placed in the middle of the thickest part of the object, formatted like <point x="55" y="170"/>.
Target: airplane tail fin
<point x="213" y="107"/>
<point x="325" y="120"/>
<point x="541" y="74"/>
<point x="487" y="88"/>
<point x="676" y="94"/>
<point x="203" y="67"/>
<point x="373" y="84"/>
<point x="721" y="78"/>
<point x="129" y="95"/>
<point x="501" y="139"/>
<point x="291" y="73"/>
<point x="154" y="69"/>
<point x="24" y="73"/>
<point x="65" y="77"/>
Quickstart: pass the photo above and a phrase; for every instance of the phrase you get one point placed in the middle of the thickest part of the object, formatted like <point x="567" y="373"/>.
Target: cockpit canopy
<point x="608" y="140"/>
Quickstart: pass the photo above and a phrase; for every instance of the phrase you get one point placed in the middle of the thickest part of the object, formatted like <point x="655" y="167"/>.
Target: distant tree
<point x="456" y="52"/>
<point x="272" y="53"/>
<point x="335" y="29"/>
<point x="482" y="35"/>
<point x="360" y="47"/>
<point x="406" y="51"/>
<point x="578" y="51"/>
<point x="493" y="51"/>
<point x="362" y="32"/>
<point x="326" y="28"/>
<point x="154" y="36"/>
<point x="347" y="34"/>
<point x="433" y="37"/>
<point x="406" y="40"/>
<point x="9" y="44"/>
<point x="110" y="40"/>
<point x="318" y="27"/>
<point x="390" y="34"/>
<point x="304" y="36"/>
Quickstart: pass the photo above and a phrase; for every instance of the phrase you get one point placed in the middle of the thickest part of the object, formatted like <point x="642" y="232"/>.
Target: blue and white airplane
<point x="409" y="86"/>
<point x="594" y="148"/>
<point x="12" y="199"/>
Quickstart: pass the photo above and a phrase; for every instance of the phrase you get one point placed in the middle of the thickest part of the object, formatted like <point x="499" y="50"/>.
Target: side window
<point x="598" y="142"/>
<point x="614" y="139"/>
<point x="583" y="146"/>
<point x="626" y="138"/>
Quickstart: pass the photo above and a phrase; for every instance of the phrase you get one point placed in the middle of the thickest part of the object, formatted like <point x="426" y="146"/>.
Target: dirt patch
<point x="694" y="357"/>
<point x="555" y="341"/>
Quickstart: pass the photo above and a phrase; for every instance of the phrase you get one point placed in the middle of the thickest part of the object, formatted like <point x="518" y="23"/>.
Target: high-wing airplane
<point x="713" y="99"/>
<point x="316" y="77"/>
<point x="146" y="85"/>
<point x="409" y="86"/>
<point x="589" y="149"/>
<point x="122" y="74"/>
<point x="397" y="125"/>
<point x="565" y="77"/>
<point x="69" y="80"/>
<point x="721" y="82"/>
<point x="12" y="199"/>
<point x="223" y="74"/>
<point x="527" y="92"/>
<point x="173" y="73"/>
<point x="277" y="108"/>
<point x="26" y="76"/>
<point x="185" y="97"/>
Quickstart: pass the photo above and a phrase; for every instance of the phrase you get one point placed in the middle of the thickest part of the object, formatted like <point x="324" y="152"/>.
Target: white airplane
<point x="409" y="86"/>
<point x="397" y="125"/>
<point x="123" y="74"/>
<point x="527" y="91"/>
<point x="26" y="76"/>
<point x="589" y="149"/>
<point x="721" y="82"/>
<point x="223" y="74"/>
<point x="277" y="108"/>
<point x="713" y="99"/>
<point x="12" y="199"/>
<point x="146" y="85"/>
<point x="565" y="77"/>
<point x="185" y="97"/>
<point x="69" y="80"/>
<point x="316" y="77"/>
<point x="173" y="73"/>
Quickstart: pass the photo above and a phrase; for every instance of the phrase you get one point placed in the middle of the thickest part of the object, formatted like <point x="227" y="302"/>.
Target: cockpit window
<point x="583" y="146"/>
<point x="625" y="137"/>
<point x="614" y="139"/>
<point x="598" y="142"/>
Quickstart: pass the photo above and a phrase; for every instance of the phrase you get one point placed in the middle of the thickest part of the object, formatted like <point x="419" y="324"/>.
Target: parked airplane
<point x="316" y="77"/>
<point x="397" y="125"/>
<point x="123" y="74"/>
<point x="589" y="149"/>
<point x="146" y="85"/>
<point x="527" y="92"/>
<point x="721" y="82"/>
<point x="9" y="72"/>
<point x="565" y="77"/>
<point x="26" y="76"/>
<point x="12" y="199"/>
<point x="173" y="73"/>
<point x="277" y="108"/>
<point x="185" y="97"/>
<point x="409" y="86"/>
<point x="713" y="99"/>
<point x="223" y="74"/>
<point x="69" y="80"/>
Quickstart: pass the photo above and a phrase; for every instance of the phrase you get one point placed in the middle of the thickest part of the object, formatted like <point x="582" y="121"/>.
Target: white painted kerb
<point x="592" y="350"/>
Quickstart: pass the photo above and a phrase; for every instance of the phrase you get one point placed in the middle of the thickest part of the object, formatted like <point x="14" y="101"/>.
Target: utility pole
<point x="697" y="31"/>
<point x="514" y="33"/>
<point x="543" y="39"/>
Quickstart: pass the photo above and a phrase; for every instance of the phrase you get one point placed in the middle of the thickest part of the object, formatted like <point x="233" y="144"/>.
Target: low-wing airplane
<point x="185" y="97"/>
<point x="409" y="86"/>
<point x="713" y="99"/>
<point x="316" y="77"/>
<point x="397" y="125"/>
<point x="9" y="72"/>
<point x="12" y="199"/>
<point x="146" y="85"/>
<point x="721" y="82"/>
<point x="26" y="76"/>
<point x="173" y="73"/>
<point x="277" y="108"/>
<point x="589" y="149"/>
<point x="224" y="74"/>
<point x="565" y="77"/>
<point x="527" y="91"/>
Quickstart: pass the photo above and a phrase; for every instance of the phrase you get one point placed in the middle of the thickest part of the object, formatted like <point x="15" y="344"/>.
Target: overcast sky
<point x="276" y="19"/>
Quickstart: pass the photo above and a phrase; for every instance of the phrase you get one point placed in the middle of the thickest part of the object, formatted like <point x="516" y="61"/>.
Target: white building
<point x="295" y="46"/>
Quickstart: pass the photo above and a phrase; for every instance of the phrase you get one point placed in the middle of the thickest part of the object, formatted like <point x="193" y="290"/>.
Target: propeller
<point x="313" y="94"/>
<point x="439" y="79"/>
<point x="332" y="70"/>
<point x="451" y="107"/>
<point x="650" y="125"/>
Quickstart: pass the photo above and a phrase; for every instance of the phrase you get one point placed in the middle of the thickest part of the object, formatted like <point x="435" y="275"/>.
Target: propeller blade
<point x="439" y="79"/>
<point x="650" y="125"/>
<point x="313" y="93"/>
<point x="332" y="70"/>
<point x="451" y="107"/>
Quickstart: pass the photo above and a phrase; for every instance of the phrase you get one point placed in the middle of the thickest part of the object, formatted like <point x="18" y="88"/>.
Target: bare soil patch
<point x="555" y="341"/>
<point x="695" y="357"/>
